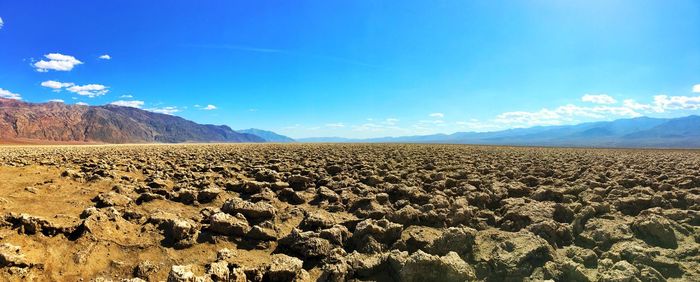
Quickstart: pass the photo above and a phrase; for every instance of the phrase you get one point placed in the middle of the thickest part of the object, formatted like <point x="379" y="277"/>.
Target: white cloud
<point x="90" y="90"/>
<point x="126" y="96"/>
<point x="57" y="62"/>
<point x="1" y="23"/>
<point x="335" y="125"/>
<point x="56" y="85"/>
<point x="473" y="124"/>
<point x="378" y="127"/>
<point x="570" y="113"/>
<point x="541" y="117"/>
<point x="105" y="57"/>
<point x="634" y="105"/>
<point x="208" y="107"/>
<point x="124" y="103"/>
<point x="56" y="101"/>
<point x="371" y="127"/>
<point x="563" y="114"/>
<point x="437" y="115"/>
<point x="9" y="95"/>
<point x="696" y="88"/>
<point x="164" y="110"/>
<point x="432" y="121"/>
<point x="82" y="104"/>
<point x="598" y="99"/>
<point x="665" y="102"/>
<point x="390" y="121"/>
<point x="600" y="111"/>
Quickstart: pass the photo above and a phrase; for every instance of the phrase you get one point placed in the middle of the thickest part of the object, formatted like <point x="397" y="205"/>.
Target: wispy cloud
<point x="126" y="96"/>
<point x="105" y="57"/>
<point x="541" y="117"/>
<point x="664" y="103"/>
<point x="238" y="47"/>
<point x="1" y="23"/>
<point x="387" y="125"/>
<point x="369" y="126"/>
<point x="82" y="104"/>
<point x="431" y="121"/>
<point x="57" y="101"/>
<point x="170" y="110"/>
<point x="89" y="90"/>
<point x="128" y="103"/>
<point x="390" y="121"/>
<point x="437" y="115"/>
<point x="57" y="62"/>
<point x="9" y="95"/>
<point x="473" y="125"/>
<point x="56" y="85"/>
<point x="573" y="113"/>
<point x="246" y="48"/>
<point x="696" y="88"/>
<point x="598" y="99"/>
<point x="335" y="125"/>
<point x="563" y="114"/>
<point x="208" y="107"/>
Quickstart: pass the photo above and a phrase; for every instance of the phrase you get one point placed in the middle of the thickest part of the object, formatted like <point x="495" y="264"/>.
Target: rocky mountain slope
<point x="58" y="122"/>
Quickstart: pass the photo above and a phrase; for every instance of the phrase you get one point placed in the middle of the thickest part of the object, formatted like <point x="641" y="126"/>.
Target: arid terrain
<point x="303" y="212"/>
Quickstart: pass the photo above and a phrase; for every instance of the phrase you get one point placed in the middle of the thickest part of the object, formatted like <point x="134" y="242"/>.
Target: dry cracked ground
<point x="266" y="212"/>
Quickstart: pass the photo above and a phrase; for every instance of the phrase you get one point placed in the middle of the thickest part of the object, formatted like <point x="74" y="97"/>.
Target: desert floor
<point x="332" y="212"/>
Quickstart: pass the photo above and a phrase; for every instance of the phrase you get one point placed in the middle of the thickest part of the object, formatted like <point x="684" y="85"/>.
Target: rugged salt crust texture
<point x="264" y="212"/>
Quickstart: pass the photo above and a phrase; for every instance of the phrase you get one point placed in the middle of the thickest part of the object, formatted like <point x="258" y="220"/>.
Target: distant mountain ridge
<point x="332" y="140"/>
<point x="683" y="132"/>
<point x="105" y="124"/>
<point x="59" y="122"/>
<point x="269" y="136"/>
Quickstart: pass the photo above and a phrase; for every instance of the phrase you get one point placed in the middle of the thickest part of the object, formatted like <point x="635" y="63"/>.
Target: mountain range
<point x="641" y="132"/>
<point x="59" y="122"/>
<point x="269" y="136"/>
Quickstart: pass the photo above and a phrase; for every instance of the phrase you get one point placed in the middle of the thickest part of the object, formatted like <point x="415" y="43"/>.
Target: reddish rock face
<point x="51" y="121"/>
<point x="108" y="124"/>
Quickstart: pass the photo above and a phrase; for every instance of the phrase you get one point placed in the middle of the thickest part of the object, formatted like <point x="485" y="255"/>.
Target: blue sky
<point x="359" y="68"/>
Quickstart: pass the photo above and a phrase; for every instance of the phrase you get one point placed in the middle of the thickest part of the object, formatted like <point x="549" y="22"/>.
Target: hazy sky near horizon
<point x="359" y="68"/>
